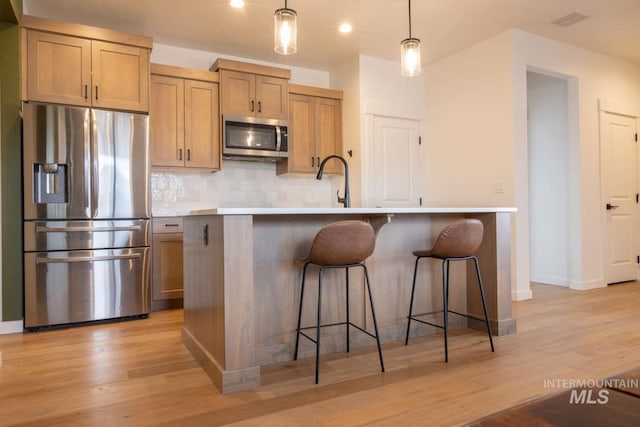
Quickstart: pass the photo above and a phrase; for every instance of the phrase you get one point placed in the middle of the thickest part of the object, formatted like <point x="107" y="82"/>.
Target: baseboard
<point x="550" y="280"/>
<point x="521" y="295"/>
<point x="586" y="285"/>
<point x="11" y="327"/>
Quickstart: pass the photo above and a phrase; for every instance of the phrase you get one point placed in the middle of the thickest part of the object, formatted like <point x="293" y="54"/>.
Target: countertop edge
<point x="347" y="211"/>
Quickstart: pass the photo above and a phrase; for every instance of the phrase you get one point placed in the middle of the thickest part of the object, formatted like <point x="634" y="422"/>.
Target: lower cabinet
<point x="166" y="272"/>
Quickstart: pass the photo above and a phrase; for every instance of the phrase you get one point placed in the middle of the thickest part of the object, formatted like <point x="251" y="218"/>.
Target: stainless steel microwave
<point x="254" y="138"/>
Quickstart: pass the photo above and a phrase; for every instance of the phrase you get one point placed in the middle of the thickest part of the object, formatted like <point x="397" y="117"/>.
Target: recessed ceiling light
<point x="238" y="4"/>
<point x="345" y="28"/>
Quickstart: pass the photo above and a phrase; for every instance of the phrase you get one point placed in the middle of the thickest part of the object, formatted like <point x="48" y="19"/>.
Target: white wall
<point x="596" y="76"/>
<point x="239" y="184"/>
<point x="469" y="127"/>
<point x="476" y="122"/>
<point x="548" y="162"/>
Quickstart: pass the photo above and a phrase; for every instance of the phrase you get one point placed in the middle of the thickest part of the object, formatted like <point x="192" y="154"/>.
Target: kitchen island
<point x="243" y="267"/>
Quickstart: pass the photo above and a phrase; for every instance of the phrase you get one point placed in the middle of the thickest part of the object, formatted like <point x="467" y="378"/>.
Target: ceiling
<point x="444" y="26"/>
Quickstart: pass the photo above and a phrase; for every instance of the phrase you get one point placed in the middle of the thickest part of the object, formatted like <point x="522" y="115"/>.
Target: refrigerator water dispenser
<point x="50" y="183"/>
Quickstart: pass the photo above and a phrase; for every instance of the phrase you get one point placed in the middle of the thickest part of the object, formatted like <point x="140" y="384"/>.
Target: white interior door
<point x="619" y="182"/>
<point x="396" y="162"/>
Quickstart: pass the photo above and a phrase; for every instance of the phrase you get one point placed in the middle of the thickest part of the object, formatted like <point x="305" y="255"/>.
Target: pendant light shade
<point x="410" y="60"/>
<point x="285" y="30"/>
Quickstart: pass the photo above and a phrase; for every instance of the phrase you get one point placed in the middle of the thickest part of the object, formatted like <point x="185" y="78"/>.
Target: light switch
<point x="498" y="187"/>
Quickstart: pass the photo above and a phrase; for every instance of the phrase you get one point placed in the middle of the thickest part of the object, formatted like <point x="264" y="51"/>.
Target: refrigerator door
<point x="56" y="164"/>
<point x="81" y="286"/>
<point x="120" y="175"/>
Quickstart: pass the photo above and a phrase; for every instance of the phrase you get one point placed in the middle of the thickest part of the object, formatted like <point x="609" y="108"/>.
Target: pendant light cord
<point x="409" y="17"/>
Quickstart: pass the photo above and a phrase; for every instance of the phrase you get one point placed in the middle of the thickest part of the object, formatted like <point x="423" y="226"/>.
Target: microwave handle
<point x="278" y="138"/>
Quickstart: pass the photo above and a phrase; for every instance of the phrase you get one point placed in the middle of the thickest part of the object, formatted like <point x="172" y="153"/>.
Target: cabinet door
<point x="202" y="126"/>
<point x="167" y="266"/>
<point x="237" y="93"/>
<point x="271" y="97"/>
<point x="328" y="132"/>
<point x="120" y="76"/>
<point x="58" y="68"/>
<point x="166" y="121"/>
<point x="301" y="133"/>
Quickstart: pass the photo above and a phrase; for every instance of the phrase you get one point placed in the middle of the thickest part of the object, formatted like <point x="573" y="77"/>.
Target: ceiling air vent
<point x="570" y="18"/>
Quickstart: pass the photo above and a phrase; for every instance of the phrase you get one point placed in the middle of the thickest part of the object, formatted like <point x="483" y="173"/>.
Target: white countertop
<point x="334" y="211"/>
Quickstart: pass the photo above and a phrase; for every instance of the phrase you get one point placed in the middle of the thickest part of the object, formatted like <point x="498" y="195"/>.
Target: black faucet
<point x="346" y="200"/>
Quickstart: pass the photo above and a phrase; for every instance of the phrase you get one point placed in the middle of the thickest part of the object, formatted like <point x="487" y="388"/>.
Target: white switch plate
<point x="498" y="187"/>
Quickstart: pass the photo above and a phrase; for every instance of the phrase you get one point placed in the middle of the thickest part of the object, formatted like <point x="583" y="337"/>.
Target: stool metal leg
<point x="304" y="273"/>
<point x="373" y="315"/>
<point x="413" y="290"/>
<point x="484" y="303"/>
<point x="445" y="300"/>
<point x="347" y="298"/>
<point x="318" y="324"/>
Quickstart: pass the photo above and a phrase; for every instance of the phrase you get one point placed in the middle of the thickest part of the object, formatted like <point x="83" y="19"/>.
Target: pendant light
<point x="285" y="30"/>
<point x="410" y="53"/>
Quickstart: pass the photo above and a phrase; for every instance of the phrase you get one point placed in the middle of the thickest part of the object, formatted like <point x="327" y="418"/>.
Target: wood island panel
<point x="242" y="288"/>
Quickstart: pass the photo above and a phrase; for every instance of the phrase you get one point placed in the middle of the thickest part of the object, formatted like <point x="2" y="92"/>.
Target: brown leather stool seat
<point x="457" y="242"/>
<point x="342" y="244"/>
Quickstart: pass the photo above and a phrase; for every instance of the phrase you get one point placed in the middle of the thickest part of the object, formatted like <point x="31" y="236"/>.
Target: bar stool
<point x="343" y="244"/>
<point x="457" y="242"/>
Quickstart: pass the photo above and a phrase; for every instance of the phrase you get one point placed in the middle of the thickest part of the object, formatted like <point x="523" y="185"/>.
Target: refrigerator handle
<point x="66" y="260"/>
<point x="87" y="161"/>
<point x="95" y="172"/>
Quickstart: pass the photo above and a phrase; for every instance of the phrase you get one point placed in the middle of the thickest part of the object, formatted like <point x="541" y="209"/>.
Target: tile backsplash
<point x="238" y="184"/>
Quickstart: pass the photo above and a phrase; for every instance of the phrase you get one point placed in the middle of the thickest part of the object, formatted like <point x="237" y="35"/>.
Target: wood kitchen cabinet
<point x="252" y="90"/>
<point x="315" y="130"/>
<point x="78" y="65"/>
<point x="167" y="263"/>
<point x="184" y="118"/>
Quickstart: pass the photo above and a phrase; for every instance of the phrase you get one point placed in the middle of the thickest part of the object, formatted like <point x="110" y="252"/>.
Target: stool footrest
<point x="469" y="316"/>
<point x="425" y="322"/>
<point x="332" y="324"/>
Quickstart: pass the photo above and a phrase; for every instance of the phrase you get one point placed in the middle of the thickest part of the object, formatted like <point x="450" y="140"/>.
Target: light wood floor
<point x="138" y="373"/>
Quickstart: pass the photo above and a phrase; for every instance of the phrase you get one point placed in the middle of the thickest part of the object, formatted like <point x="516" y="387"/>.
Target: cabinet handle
<point x="86" y="90"/>
<point x="96" y="92"/>
<point x="188" y="154"/>
<point x="259" y="106"/>
<point x="172" y="225"/>
<point x="180" y="154"/>
<point x="205" y="234"/>
<point x="253" y="106"/>
<point x="313" y="160"/>
<point x="318" y="161"/>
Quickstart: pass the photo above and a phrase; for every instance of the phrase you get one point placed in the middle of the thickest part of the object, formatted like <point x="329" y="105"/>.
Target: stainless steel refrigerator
<point x="86" y="215"/>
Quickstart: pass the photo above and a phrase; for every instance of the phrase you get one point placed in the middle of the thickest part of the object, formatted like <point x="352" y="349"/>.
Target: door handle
<point x="610" y="206"/>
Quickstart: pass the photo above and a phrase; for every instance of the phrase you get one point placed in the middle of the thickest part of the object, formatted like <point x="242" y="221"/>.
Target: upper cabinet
<point x="253" y="90"/>
<point x="184" y="118"/>
<point x="79" y="65"/>
<point x="315" y="130"/>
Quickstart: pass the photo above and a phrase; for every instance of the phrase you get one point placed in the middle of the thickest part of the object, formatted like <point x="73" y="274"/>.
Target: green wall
<point x="10" y="172"/>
